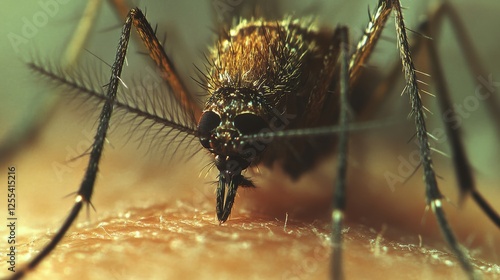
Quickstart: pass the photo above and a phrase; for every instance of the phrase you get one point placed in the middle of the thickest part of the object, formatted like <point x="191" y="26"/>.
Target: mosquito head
<point x="230" y="114"/>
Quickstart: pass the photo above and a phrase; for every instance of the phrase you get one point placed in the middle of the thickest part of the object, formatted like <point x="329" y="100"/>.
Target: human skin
<point x="156" y="220"/>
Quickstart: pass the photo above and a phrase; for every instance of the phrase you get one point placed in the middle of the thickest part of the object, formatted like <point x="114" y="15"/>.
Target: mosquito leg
<point x="367" y="43"/>
<point x="446" y="10"/>
<point x="463" y="171"/>
<point x="431" y="27"/>
<point x="382" y="89"/>
<point x="362" y="54"/>
<point x="433" y="193"/>
<point x="462" y="167"/>
<point x="81" y="34"/>
<point x="340" y="184"/>
<point x="84" y="194"/>
<point x="165" y="66"/>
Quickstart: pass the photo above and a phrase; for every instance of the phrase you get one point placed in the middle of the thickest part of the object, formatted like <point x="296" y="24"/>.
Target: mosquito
<point x="279" y="91"/>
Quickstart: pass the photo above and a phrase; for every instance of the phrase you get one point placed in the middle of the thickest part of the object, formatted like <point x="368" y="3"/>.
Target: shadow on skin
<point x="145" y="229"/>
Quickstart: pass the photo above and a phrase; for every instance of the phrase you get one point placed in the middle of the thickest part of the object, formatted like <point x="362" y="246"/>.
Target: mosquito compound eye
<point x="208" y="122"/>
<point x="249" y="123"/>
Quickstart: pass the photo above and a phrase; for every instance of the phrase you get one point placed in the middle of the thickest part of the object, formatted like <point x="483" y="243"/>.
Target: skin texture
<point x="155" y="216"/>
<point x="157" y="221"/>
